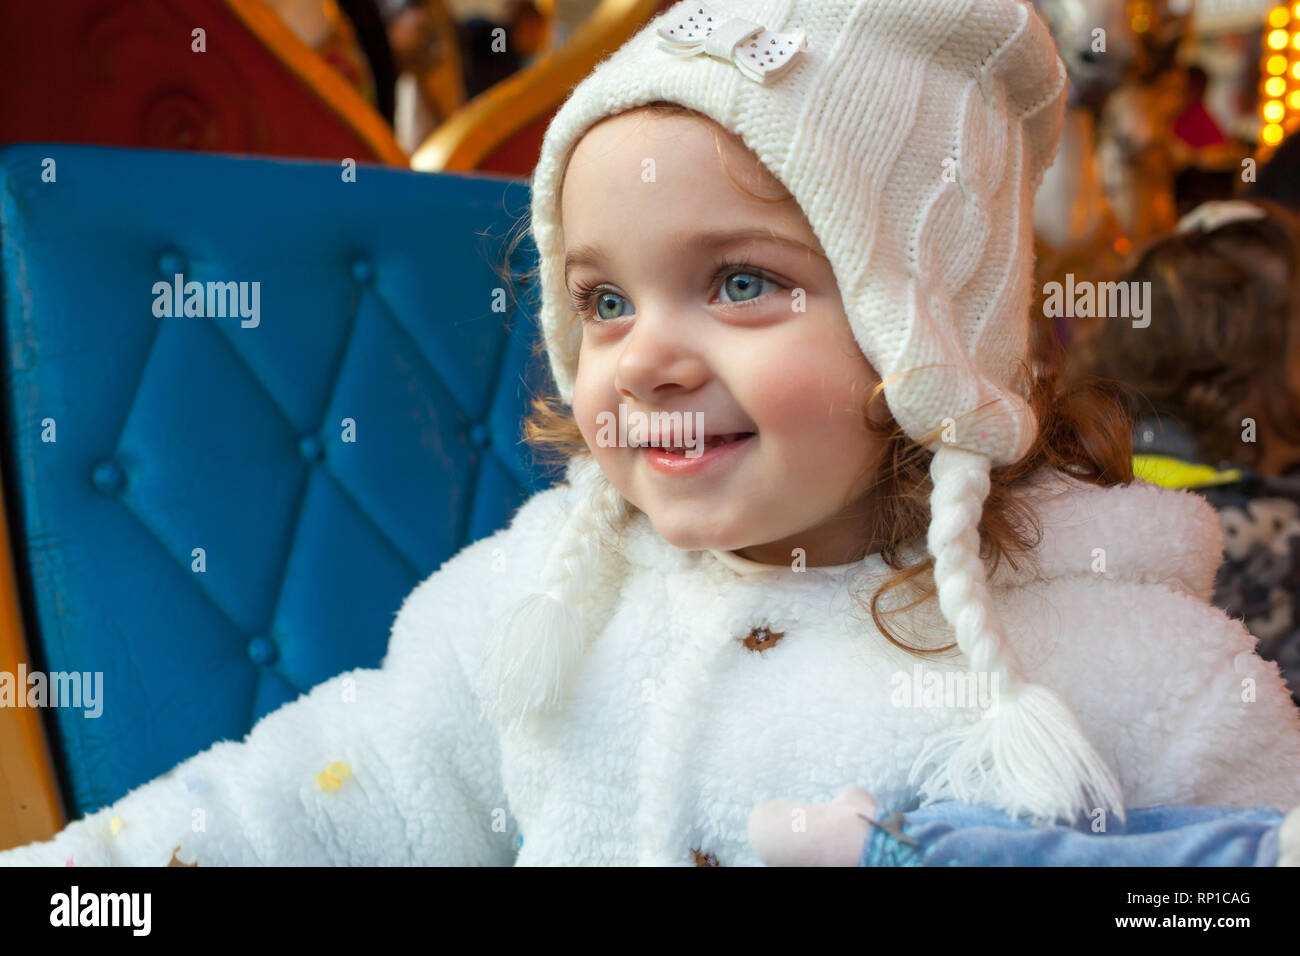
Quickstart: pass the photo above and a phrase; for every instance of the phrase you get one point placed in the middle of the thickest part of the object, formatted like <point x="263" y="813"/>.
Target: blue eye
<point x="747" y="289"/>
<point x="742" y="284"/>
<point x="596" y="304"/>
<point x="611" y="301"/>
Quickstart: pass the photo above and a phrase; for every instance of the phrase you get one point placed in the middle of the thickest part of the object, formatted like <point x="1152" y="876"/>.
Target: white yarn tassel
<point x="1029" y="754"/>
<point x="541" y="641"/>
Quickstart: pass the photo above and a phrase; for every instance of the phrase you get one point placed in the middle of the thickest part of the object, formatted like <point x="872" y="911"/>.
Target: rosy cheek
<point x="778" y="412"/>
<point x="585" y="409"/>
<point x="796" y="404"/>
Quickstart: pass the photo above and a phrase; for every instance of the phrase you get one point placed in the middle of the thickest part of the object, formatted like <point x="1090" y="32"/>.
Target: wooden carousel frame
<point x="332" y="89"/>
<point x="31" y="808"/>
<point x="495" y="115"/>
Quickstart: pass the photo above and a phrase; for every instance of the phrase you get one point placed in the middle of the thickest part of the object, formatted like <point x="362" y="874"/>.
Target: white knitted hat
<point x="913" y="134"/>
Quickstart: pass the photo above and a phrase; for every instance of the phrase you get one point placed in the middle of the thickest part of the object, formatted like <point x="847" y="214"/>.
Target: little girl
<point x="804" y="227"/>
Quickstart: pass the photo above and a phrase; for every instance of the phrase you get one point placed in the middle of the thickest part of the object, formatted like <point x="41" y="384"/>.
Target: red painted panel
<point x="122" y="73"/>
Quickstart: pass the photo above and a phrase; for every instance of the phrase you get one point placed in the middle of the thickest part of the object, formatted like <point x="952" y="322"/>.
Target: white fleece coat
<point x="675" y="728"/>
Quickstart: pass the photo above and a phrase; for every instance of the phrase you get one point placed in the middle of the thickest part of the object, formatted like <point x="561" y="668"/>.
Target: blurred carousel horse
<point x="1072" y="204"/>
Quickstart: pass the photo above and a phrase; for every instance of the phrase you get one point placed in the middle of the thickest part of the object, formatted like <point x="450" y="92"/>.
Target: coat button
<point x="762" y="638"/>
<point x="704" y="859"/>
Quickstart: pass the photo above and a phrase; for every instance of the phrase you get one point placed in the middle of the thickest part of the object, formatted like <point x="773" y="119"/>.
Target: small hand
<point x="784" y="833"/>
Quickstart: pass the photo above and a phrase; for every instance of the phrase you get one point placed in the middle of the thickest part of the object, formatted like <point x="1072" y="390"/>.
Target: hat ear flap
<point x="1028" y="753"/>
<point x="540" y="642"/>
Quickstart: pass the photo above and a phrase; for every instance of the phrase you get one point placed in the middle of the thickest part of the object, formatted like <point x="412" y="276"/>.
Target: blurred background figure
<point x="349" y="36"/>
<point x="1112" y="180"/>
<point x="1186" y="105"/>
<point x="1095" y="42"/>
<point x="418" y="61"/>
<point x="1195" y="126"/>
<point x="489" y="58"/>
<point x="1214" y="386"/>
<point x="431" y="67"/>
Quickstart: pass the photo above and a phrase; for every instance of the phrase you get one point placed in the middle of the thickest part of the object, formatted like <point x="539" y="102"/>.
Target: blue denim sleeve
<point x="960" y="834"/>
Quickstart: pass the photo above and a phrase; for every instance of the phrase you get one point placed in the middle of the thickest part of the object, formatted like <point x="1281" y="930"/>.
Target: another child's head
<point x="866" y="344"/>
<point x="1221" y="354"/>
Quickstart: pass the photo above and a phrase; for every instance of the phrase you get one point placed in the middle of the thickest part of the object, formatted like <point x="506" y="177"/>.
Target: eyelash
<point x="585" y="292"/>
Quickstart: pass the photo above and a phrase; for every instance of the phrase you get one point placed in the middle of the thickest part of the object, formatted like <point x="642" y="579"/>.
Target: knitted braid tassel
<point x="1029" y="754"/>
<point x="540" y="643"/>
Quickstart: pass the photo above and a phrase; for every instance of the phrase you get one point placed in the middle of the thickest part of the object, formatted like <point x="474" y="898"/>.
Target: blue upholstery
<point x="174" y="434"/>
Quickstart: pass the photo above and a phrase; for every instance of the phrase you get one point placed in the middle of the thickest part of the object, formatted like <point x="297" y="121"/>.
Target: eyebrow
<point x="591" y="255"/>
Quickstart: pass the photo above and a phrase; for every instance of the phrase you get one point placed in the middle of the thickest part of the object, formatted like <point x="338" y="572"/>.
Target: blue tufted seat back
<point x="216" y="514"/>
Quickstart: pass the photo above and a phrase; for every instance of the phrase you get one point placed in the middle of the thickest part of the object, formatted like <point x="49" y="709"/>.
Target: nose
<point x="660" y="354"/>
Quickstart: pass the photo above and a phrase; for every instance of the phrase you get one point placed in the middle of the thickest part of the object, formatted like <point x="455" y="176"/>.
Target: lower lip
<point x="684" y="464"/>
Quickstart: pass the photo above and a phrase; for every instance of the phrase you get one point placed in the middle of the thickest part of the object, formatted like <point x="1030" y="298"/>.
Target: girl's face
<point x="720" y="307"/>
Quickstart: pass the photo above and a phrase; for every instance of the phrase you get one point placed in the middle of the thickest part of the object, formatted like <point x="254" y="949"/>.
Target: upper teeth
<point x="706" y="440"/>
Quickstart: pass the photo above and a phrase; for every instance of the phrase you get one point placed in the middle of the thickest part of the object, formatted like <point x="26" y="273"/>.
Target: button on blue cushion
<point x="170" y="264"/>
<point x="311" y="448"/>
<point x="107" y="476"/>
<point x="262" y="652"/>
<point x="213" y="485"/>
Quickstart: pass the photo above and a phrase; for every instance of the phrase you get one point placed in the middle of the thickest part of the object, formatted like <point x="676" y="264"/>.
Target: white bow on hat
<point x="765" y="57"/>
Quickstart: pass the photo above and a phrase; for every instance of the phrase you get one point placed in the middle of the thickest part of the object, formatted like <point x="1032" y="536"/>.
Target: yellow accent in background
<point x="1170" y="472"/>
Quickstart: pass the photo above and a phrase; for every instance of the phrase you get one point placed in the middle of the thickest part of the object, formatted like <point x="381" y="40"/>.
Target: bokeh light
<point x="1280" y="106"/>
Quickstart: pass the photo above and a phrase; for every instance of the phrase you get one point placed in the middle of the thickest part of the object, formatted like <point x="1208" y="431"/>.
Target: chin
<point x="681" y="532"/>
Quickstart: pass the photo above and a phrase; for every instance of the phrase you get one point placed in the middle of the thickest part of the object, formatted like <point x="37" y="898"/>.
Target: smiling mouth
<point x="710" y="441"/>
